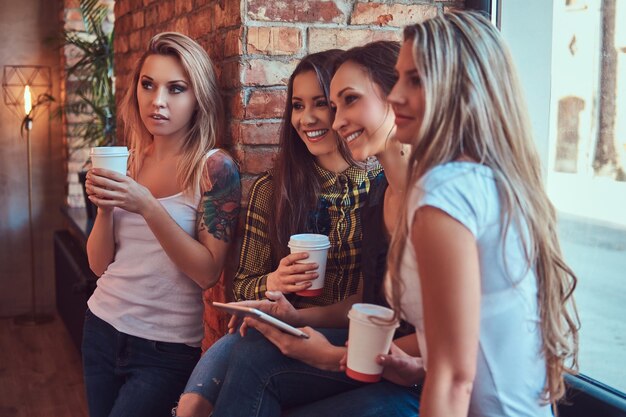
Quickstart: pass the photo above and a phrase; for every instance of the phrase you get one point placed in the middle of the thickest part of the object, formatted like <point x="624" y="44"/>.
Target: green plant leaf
<point x="91" y="93"/>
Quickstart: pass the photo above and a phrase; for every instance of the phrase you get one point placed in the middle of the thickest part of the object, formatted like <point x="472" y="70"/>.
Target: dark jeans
<point x="261" y="381"/>
<point x="130" y="376"/>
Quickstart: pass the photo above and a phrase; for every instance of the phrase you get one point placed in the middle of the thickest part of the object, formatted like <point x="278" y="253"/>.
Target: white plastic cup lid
<point x="373" y="314"/>
<point x="309" y="241"/>
<point x="109" y="150"/>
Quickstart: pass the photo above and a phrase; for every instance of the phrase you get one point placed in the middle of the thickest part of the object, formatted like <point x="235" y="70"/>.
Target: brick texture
<point x="321" y="39"/>
<point x="263" y="72"/>
<point x="307" y="11"/>
<point x="274" y="40"/>
<point x="398" y="15"/>
<point x="265" y="104"/>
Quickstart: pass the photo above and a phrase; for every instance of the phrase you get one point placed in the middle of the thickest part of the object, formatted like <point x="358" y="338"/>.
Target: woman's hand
<point x="89" y="189"/>
<point x="315" y="351"/>
<point x="291" y="276"/>
<point x="108" y="189"/>
<point x="401" y="368"/>
<point x="276" y="305"/>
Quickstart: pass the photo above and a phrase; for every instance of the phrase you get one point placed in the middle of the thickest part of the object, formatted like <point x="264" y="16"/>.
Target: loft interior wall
<point x="24" y="27"/>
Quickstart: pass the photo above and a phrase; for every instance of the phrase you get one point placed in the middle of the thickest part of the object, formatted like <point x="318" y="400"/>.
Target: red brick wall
<point x="255" y="45"/>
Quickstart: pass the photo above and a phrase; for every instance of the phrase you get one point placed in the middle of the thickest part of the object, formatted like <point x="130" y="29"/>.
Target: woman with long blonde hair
<point x="160" y="236"/>
<point x="475" y="263"/>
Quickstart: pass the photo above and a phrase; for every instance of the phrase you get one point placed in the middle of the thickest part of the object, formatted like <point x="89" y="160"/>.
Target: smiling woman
<point x="311" y="118"/>
<point x="158" y="239"/>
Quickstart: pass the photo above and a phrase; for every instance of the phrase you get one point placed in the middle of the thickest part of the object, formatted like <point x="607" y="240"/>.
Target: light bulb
<point x="28" y="101"/>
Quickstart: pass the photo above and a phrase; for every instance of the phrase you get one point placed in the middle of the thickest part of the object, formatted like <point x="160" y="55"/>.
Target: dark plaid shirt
<point x="338" y="215"/>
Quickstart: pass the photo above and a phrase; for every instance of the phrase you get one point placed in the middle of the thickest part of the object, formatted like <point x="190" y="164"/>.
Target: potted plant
<point x="90" y="80"/>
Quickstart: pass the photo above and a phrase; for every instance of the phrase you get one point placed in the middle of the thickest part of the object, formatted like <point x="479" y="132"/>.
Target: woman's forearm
<point x="101" y="243"/>
<point x="446" y="394"/>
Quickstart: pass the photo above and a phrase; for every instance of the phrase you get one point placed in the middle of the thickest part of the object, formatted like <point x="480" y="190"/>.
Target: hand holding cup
<point x="108" y="189"/>
<point x="370" y="334"/>
<point x="316" y="246"/>
<point x="292" y="275"/>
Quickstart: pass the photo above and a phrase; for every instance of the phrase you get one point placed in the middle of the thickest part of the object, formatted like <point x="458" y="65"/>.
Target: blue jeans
<point x="382" y="399"/>
<point x="261" y="381"/>
<point x="208" y="375"/>
<point x="130" y="376"/>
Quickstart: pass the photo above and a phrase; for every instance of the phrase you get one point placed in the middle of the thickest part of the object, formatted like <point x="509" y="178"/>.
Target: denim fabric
<point x="208" y="375"/>
<point x="383" y="399"/>
<point x="261" y="381"/>
<point x="130" y="376"/>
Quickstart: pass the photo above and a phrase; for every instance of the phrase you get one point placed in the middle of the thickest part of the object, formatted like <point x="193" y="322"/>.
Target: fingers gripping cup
<point x="370" y="335"/>
<point x="114" y="158"/>
<point x="317" y="248"/>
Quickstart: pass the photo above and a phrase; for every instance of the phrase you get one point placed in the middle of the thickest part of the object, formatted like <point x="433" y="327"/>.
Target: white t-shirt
<point x="142" y="292"/>
<point x="511" y="371"/>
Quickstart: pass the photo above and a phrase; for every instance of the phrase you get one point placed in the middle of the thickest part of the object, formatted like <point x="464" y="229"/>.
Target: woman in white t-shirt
<point x="475" y="263"/>
<point x="160" y="236"/>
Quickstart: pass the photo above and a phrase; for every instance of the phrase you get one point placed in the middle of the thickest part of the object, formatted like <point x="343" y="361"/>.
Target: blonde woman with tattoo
<point x="161" y="234"/>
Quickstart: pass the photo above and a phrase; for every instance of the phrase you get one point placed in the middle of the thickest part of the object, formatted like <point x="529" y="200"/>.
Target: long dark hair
<point x="296" y="187"/>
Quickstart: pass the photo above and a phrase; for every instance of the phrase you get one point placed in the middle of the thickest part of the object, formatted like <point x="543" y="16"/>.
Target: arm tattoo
<point x="220" y="205"/>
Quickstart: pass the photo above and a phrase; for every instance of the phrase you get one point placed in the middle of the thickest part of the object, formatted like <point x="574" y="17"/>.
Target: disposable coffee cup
<point x="114" y="158"/>
<point x="317" y="248"/>
<point x="370" y="335"/>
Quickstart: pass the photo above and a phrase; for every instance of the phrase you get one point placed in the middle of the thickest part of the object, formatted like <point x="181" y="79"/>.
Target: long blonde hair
<point x="474" y="107"/>
<point x="207" y="122"/>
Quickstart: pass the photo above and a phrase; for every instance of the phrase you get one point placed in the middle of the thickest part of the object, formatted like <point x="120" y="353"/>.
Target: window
<point x="571" y="55"/>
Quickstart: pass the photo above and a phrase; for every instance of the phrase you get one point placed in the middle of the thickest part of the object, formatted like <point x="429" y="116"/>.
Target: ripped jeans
<point x="208" y="375"/>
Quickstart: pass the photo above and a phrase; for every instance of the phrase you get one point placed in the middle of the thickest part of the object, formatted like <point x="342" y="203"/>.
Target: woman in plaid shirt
<point x="314" y="188"/>
<point x="304" y="376"/>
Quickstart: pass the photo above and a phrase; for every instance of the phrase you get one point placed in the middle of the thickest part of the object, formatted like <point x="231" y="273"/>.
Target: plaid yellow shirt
<point x="338" y="215"/>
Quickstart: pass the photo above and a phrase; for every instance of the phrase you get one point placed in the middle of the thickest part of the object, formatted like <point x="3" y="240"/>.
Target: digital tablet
<point x="238" y="310"/>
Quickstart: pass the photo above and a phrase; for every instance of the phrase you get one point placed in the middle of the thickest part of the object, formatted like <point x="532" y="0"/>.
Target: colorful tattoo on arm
<point x="220" y="205"/>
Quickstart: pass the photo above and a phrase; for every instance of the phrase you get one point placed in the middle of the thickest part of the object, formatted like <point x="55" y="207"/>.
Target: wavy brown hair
<point x="475" y="108"/>
<point x="296" y="187"/>
<point x="207" y="122"/>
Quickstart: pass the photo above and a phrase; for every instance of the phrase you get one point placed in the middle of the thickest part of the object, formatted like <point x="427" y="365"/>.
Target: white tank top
<point x="142" y="293"/>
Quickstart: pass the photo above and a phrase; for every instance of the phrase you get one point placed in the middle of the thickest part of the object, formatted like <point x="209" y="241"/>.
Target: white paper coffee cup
<point x="317" y="248"/>
<point x="370" y="335"/>
<point x="114" y="158"/>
